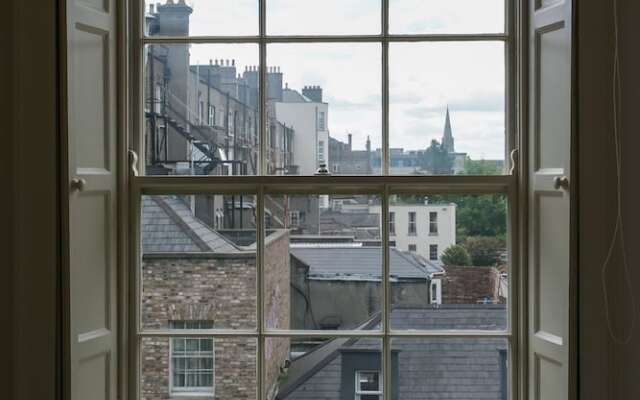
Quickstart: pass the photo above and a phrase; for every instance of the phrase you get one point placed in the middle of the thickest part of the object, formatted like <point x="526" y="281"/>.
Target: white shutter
<point x="549" y="199"/>
<point x="92" y="152"/>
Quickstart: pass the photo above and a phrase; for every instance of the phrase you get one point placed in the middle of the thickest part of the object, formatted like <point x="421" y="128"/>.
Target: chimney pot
<point x="233" y="62"/>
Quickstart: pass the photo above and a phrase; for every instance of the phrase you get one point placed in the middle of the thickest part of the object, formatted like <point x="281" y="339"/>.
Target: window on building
<point x="212" y="115"/>
<point x="435" y="291"/>
<point x="368" y="385"/>
<point x="294" y="218"/>
<point x="192" y="369"/>
<point x="433" y="222"/>
<point x="200" y="112"/>
<point x="413" y="248"/>
<point x="321" y="154"/>
<point x="157" y="99"/>
<point x="321" y="121"/>
<point x="412" y="228"/>
<point x="433" y="252"/>
<point x="392" y="223"/>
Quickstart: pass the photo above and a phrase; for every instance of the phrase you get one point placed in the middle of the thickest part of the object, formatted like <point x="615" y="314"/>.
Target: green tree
<point x="436" y="159"/>
<point x="456" y="255"/>
<point x="480" y="167"/>
<point x="477" y="215"/>
<point x="484" y="250"/>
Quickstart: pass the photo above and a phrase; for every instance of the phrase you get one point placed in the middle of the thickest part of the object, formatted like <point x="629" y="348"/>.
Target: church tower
<point x="447" y="136"/>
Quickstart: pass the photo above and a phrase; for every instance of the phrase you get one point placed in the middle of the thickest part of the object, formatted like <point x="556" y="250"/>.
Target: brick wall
<point x="221" y="288"/>
<point x="469" y="285"/>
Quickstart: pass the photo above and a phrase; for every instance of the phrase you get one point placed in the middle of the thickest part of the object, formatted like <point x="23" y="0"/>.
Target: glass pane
<point x="331" y="278"/>
<point x="326" y="17"/>
<point x="447" y="108"/>
<point x="461" y="368"/>
<point x="465" y="280"/>
<point x="231" y="372"/>
<point x="201" y="17"/>
<point x="322" y="368"/>
<point x="198" y="262"/>
<point x="446" y="16"/>
<point x="332" y="103"/>
<point x="201" y="108"/>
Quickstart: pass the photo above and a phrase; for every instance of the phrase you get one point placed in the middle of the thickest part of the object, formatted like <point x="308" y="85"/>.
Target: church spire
<point x="447" y="136"/>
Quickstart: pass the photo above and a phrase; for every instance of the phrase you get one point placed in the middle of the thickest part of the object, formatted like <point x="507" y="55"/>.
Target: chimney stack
<point x="314" y="93"/>
<point x="350" y="136"/>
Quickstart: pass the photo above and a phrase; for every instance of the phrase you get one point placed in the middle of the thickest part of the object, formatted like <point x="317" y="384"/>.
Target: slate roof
<point x="169" y="226"/>
<point x="353" y="263"/>
<point x="427" y="368"/>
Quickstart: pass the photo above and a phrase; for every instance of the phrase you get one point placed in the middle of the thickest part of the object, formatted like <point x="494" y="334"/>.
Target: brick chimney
<point x="470" y="285"/>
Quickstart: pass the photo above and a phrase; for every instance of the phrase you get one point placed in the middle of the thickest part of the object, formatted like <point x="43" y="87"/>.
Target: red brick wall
<point x="469" y="285"/>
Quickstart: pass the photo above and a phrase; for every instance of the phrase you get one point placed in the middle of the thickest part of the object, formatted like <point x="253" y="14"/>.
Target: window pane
<point x="332" y="102"/>
<point x="327" y="17"/>
<point x="447" y="108"/>
<point x="461" y="368"/>
<point x="446" y="16"/>
<point x="198" y="262"/>
<point x="331" y="279"/>
<point x="231" y="373"/>
<point x="323" y="368"/>
<point x="465" y="280"/>
<point x="201" y="17"/>
<point x="201" y="108"/>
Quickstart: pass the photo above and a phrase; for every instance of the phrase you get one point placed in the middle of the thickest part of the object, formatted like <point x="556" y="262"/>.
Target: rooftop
<point x="361" y="263"/>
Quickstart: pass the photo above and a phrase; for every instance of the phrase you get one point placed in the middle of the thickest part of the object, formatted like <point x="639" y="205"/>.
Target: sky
<point x="424" y="78"/>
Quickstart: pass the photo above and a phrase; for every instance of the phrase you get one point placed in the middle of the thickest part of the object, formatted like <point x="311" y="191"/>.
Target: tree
<point x="436" y="159"/>
<point x="456" y="255"/>
<point x="478" y="214"/>
<point x="484" y="250"/>
<point x="480" y="167"/>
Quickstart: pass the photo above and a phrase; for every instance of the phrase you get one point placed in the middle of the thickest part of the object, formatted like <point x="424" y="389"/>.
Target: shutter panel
<point x="92" y="154"/>
<point x="549" y="199"/>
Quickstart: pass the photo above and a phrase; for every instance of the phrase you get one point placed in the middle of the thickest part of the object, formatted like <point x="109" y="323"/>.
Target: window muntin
<point x="433" y="252"/>
<point x="433" y="222"/>
<point x="413" y="224"/>
<point x="192" y="360"/>
<point x="368" y="385"/>
<point x="264" y="167"/>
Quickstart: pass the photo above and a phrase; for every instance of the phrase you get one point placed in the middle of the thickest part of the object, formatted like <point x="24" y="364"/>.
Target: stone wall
<point x="220" y="288"/>
<point x="470" y="285"/>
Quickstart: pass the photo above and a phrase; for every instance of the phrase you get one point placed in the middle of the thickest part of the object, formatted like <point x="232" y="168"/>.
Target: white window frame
<point x="359" y="393"/>
<point x="412" y="223"/>
<point x="515" y="39"/>
<point x="189" y="391"/>
<point x="435" y="291"/>
<point x="294" y="215"/>
<point x="431" y="254"/>
<point x="433" y="223"/>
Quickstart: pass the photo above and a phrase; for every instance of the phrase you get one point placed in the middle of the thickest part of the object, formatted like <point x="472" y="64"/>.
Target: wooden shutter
<point x="92" y="153"/>
<point x="550" y="199"/>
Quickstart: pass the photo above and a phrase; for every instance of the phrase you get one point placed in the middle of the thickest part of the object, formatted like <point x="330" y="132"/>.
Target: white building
<point x="424" y="229"/>
<point x="308" y="115"/>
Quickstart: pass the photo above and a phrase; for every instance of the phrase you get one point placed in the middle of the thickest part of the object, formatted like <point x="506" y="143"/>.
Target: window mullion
<point x="386" y="296"/>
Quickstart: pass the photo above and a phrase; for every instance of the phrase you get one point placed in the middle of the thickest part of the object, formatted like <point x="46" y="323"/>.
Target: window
<point x="368" y="385"/>
<point x="294" y="218"/>
<point x="412" y="224"/>
<point x="433" y="223"/>
<point x="212" y="115"/>
<point x="321" y="121"/>
<point x="433" y="252"/>
<point x="435" y="291"/>
<point x="400" y="115"/>
<point x="192" y="361"/>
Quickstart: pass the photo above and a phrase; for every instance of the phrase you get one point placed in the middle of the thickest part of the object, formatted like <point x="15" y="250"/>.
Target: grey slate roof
<point x="427" y="368"/>
<point x="360" y="263"/>
<point x="169" y="226"/>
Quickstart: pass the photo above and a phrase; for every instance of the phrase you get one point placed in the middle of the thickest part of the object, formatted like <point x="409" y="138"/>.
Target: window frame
<point x="187" y="391"/>
<point x="514" y="38"/>
<point x="433" y="223"/>
<point x="359" y="393"/>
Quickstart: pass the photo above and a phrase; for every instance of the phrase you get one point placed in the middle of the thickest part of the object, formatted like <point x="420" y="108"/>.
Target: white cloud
<point x="424" y="77"/>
